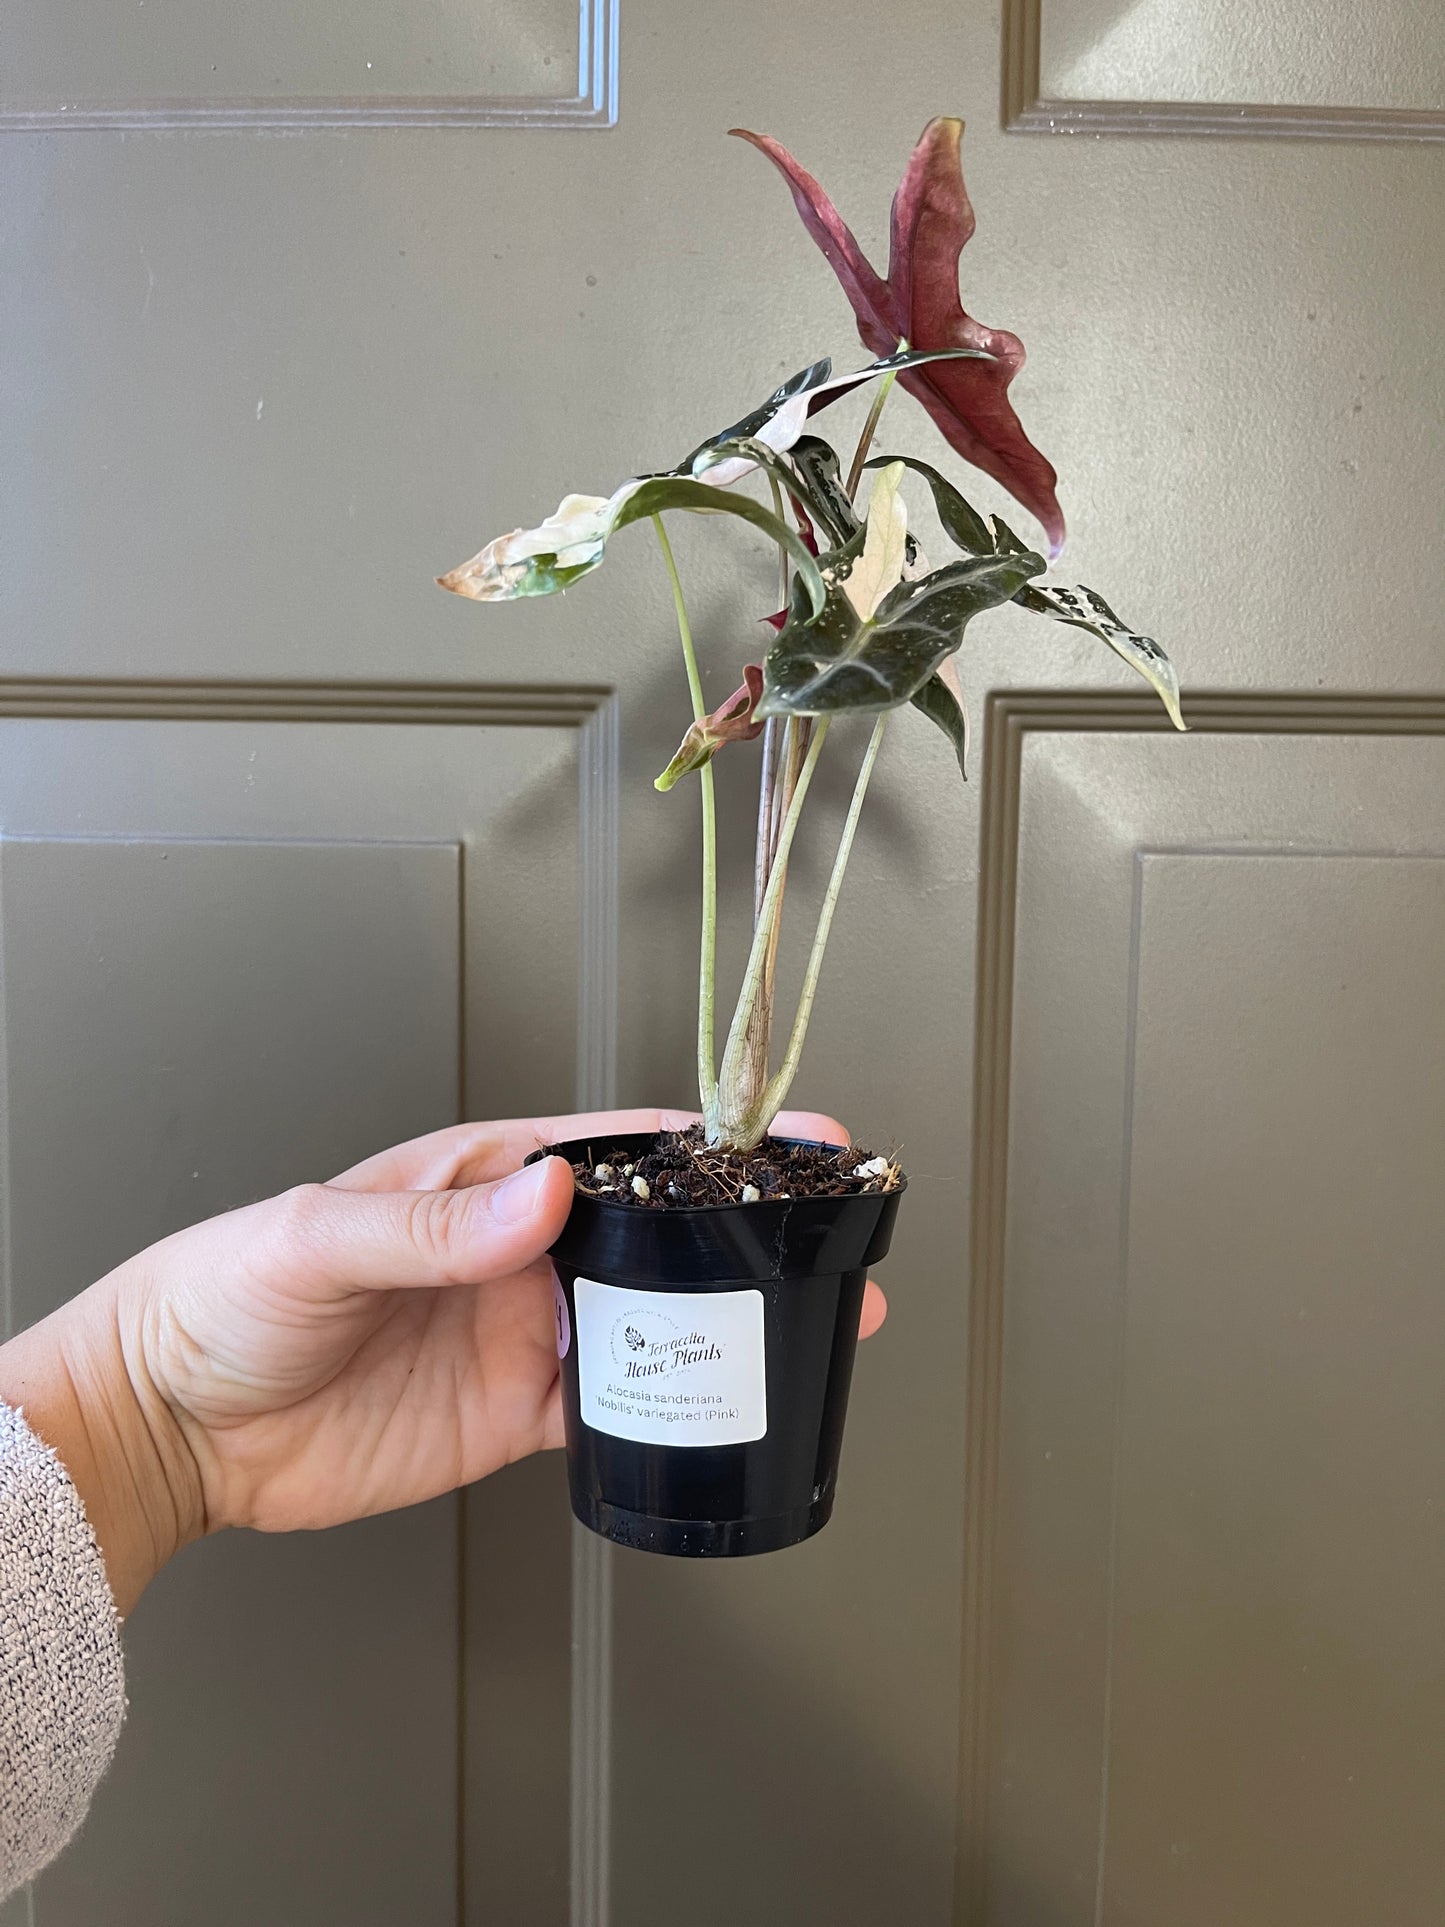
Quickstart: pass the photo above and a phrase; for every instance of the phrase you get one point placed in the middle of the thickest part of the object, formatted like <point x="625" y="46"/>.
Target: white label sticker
<point x="671" y="1367"/>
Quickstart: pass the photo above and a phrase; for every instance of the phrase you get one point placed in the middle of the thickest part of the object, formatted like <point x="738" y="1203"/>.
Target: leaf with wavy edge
<point x="839" y="662"/>
<point x="571" y="543"/>
<point x="961" y="521"/>
<point x="919" y="303"/>
<point x="1085" y="609"/>
<point x="778" y="422"/>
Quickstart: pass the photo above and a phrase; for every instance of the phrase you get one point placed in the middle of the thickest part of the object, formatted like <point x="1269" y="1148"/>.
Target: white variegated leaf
<point x="879" y="569"/>
<point x="571" y="543"/>
<point x="564" y="546"/>
<point x="1085" y="609"/>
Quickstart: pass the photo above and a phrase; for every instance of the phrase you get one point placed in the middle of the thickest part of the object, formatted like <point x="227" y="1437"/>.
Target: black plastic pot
<point x="706" y="1356"/>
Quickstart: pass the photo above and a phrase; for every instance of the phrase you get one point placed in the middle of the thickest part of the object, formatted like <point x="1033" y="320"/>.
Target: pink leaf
<point x="870" y="295"/>
<point x="731" y="722"/>
<point x="919" y="303"/>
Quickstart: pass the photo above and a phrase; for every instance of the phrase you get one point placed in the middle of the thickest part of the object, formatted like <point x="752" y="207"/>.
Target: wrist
<point x="83" y="1385"/>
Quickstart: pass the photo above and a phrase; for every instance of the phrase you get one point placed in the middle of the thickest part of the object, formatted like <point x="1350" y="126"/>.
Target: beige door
<point x="1130" y="1615"/>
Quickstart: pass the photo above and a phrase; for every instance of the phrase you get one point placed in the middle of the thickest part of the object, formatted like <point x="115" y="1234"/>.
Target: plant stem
<point x="768" y="774"/>
<point x="707" y="966"/>
<point x="778" y="1089"/>
<point x="870" y="428"/>
<point x="767" y="801"/>
<point x="739" y="1104"/>
<point x="785" y="571"/>
<point x="777" y="778"/>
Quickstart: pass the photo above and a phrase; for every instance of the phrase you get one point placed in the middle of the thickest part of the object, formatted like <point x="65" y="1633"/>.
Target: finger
<point x="330" y="1242"/>
<point x="477" y="1153"/>
<point x="554" y="1433"/>
<point x="875" y="1310"/>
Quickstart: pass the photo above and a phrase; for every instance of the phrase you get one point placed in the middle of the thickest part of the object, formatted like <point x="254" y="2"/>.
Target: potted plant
<point x="709" y="1283"/>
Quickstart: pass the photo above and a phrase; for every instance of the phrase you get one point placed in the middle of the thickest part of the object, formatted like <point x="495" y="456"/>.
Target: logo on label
<point x="647" y="1344"/>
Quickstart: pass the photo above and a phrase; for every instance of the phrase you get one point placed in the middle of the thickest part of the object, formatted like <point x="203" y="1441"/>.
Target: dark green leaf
<point x="680" y="492"/>
<point x="1004" y="539"/>
<point x="1085" y="610"/>
<point x="940" y="702"/>
<point x="962" y="523"/>
<point x="779" y="420"/>
<point x="839" y="662"/>
<point x="819" y="471"/>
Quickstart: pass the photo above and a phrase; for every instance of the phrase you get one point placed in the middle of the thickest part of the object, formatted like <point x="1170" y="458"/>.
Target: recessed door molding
<point x="1027" y="110"/>
<point x="592" y="105"/>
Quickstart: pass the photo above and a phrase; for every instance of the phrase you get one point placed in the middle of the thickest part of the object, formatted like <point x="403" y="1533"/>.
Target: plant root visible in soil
<point x="682" y="1171"/>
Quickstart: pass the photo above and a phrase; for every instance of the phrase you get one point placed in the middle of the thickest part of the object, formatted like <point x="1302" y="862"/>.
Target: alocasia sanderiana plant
<point x="867" y="624"/>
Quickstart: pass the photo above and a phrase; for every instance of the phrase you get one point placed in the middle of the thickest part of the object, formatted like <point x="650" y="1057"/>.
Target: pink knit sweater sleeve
<point x="62" y="1683"/>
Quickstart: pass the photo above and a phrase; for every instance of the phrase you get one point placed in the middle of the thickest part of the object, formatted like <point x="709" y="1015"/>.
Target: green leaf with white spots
<point x="829" y="503"/>
<point x="1085" y="609"/>
<point x="841" y="662"/>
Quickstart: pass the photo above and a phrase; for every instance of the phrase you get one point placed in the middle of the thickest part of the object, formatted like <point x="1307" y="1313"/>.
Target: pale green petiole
<point x="744" y="1130"/>
<point x="707" y="966"/>
<point x="870" y="428"/>
<point x="777" y="1090"/>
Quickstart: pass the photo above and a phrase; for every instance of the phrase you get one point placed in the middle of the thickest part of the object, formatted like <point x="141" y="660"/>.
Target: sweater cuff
<point x="62" y="1680"/>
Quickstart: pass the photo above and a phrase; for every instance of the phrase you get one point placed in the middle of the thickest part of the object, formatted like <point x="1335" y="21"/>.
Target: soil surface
<point x="681" y="1171"/>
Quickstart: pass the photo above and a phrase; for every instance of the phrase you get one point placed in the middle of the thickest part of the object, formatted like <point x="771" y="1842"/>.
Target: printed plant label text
<point x="671" y="1367"/>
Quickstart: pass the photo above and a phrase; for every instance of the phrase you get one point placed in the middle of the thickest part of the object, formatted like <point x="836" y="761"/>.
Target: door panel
<point x="1327" y="71"/>
<point x="200" y="1008"/>
<point x="531" y="63"/>
<point x="257" y="392"/>
<point x="1332" y="55"/>
<point x="1207" y="1434"/>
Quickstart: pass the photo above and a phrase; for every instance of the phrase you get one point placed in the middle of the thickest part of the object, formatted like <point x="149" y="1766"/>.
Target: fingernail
<point x="516" y="1197"/>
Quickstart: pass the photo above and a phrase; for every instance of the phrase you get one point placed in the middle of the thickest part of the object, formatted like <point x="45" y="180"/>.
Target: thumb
<point x="345" y="1241"/>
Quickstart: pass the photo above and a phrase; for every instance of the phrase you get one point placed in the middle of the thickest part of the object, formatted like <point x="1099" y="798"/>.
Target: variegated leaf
<point x="840" y="662"/>
<point x="778" y="422"/>
<point x="879" y="569"/>
<point x="962" y="523"/>
<point x="1084" y="609"/>
<point x="820" y="472"/>
<point x="571" y="543"/>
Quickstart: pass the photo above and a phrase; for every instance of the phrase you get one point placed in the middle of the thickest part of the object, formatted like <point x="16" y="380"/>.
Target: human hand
<point x="337" y="1351"/>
